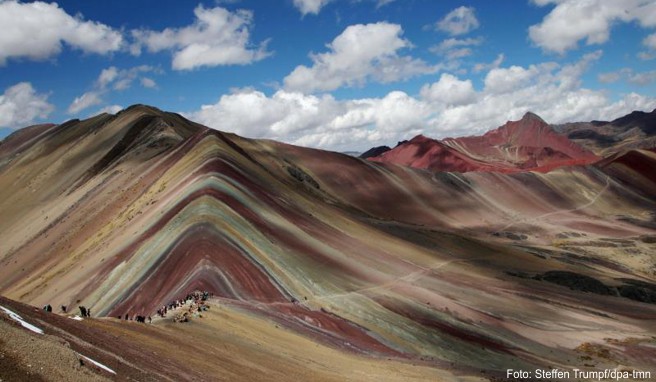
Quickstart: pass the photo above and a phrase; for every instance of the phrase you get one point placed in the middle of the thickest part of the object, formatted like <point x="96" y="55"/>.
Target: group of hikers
<point x="84" y="311"/>
<point x="195" y="301"/>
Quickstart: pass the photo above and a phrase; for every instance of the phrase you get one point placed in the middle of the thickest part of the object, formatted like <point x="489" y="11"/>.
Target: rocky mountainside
<point x="633" y="131"/>
<point x="358" y="263"/>
<point x="529" y="144"/>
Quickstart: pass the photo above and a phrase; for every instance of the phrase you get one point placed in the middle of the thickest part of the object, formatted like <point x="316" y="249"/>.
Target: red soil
<point x="529" y="144"/>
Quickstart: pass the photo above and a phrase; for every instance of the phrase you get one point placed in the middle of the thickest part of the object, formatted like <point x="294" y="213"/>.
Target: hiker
<point x="88" y="312"/>
<point x="126" y="316"/>
<point x="47" y="308"/>
<point x="63" y="308"/>
<point x="83" y="311"/>
<point x="150" y="320"/>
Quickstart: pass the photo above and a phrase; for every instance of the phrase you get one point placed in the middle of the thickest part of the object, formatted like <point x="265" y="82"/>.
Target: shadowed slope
<point x="636" y="130"/>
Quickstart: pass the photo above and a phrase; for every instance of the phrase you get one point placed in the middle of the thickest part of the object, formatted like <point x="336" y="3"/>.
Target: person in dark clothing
<point x="83" y="311"/>
<point x="47" y="308"/>
<point x="88" y="312"/>
<point x="63" y="308"/>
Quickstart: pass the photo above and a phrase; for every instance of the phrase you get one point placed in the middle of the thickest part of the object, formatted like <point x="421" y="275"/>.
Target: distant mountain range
<point x="633" y="131"/>
<point x="529" y="144"/>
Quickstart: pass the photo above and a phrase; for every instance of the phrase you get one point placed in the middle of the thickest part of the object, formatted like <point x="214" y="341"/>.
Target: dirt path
<point x="581" y="207"/>
<point x="410" y="277"/>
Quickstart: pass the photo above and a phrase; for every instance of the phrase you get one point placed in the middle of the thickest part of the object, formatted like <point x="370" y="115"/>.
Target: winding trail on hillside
<point x="581" y="207"/>
<point x="410" y="277"/>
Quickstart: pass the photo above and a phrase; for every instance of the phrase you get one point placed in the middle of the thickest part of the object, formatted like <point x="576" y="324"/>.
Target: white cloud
<point x="359" y="54"/>
<point x="106" y="76"/>
<point x="310" y="6"/>
<point x="319" y="121"/>
<point x="450" y="106"/>
<point x="503" y="80"/>
<point x="84" y="101"/>
<point x="643" y="78"/>
<point x="650" y="41"/>
<point x="481" y="67"/>
<point x="459" y="21"/>
<point x="454" y="48"/>
<point x="458" y="53"/>
<point x="217" y="37"/>
<point x="608" y="78"/>
<point x="252" y="113"/>
<point x="591" y="20"/>
<point x="111" y="109"/>
<point x="315" y="6"/>
<point x="630" y="75"/>
<point x="382" y="3"/>
<point x="449" y="90"/>
<point x="21" y="105"/>
<point x="451" y="43"/>
<point x="122" y="79"/>
<point x="36" y="31"/>
<point x="148" y="82"/>
<point x="112" y="79"/>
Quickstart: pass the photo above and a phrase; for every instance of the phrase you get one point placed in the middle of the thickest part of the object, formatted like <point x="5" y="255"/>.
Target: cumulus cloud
<point x="112" y="79"/>
<point x="503" y="80"/>
<point x="359" y="54"/>
<point x="37" y="30"/>
<point x="311" y="120"/>
<point x="573" y="20"/>
<point x="216" y="37"/>
<point x="21" y="105"/>
<point x="450" y="91"/>
<point x="310" y="6"/>
<point x="459" y="21"/>
<point x="451" y="106"/>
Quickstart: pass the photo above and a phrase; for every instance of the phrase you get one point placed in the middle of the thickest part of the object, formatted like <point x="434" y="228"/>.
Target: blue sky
<point x="334" y="74"/>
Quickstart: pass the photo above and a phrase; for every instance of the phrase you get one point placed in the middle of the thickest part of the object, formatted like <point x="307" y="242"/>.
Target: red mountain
<point x="427" y="153"/>
<point x="529" y="144"/>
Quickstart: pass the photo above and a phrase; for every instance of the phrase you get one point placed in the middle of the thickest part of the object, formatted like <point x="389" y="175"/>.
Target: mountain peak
<point x="138" y="107"/>
<point x="418" y="138"/>
<point x="530" y="116"/>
